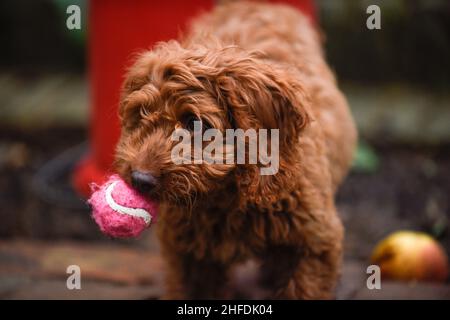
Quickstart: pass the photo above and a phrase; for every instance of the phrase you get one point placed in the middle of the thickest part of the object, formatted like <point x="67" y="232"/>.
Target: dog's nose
<point x="143" y="182"/>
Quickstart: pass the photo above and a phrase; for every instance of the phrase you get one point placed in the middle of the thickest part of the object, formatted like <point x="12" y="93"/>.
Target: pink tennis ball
<point x="120" y="211"/>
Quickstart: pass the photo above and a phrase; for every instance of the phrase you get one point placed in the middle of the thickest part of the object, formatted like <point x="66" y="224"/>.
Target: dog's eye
<point x="190" y="120"/>
<point x="206" y="125"/>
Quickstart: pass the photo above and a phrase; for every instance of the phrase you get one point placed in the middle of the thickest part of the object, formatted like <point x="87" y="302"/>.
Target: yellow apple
<point x="407" y="255"/>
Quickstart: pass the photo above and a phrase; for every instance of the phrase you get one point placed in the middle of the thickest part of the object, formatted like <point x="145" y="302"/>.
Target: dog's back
<point x="283" y="36"/>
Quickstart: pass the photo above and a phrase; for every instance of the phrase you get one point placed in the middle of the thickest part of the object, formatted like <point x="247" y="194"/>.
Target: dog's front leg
<point x="190" y="278"/>
<point x="308" y="269"/>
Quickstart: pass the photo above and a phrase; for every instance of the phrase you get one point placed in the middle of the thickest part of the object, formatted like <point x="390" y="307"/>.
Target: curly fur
<point x="245" y="65"/>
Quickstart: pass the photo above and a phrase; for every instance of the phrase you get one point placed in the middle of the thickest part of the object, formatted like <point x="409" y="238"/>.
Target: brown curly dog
<point x="245" y="65"/>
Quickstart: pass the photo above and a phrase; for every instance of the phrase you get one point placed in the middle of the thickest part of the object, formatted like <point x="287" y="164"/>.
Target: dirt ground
<point x="408" y="191"/>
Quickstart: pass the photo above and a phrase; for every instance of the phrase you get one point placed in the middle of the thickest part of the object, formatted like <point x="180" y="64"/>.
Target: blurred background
<point x="396" y="79"/>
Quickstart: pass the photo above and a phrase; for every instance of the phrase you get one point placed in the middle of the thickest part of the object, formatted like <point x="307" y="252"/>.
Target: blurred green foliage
<point x="365" y="159"/>
<point x="413" y="43"/>
<point x="76" y="36"/>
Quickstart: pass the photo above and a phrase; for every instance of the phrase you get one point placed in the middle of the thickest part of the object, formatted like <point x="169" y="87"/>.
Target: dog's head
<point x="173" y="88"/>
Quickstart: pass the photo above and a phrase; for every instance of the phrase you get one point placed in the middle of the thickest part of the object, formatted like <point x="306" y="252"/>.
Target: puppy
<point x="246" y="65"/>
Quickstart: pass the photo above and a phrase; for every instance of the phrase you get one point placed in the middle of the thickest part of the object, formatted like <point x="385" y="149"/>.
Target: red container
<point x="117" y="30"/>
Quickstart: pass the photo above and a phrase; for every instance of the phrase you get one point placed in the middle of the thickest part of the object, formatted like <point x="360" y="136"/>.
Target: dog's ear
<point x="258" y="96"/>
